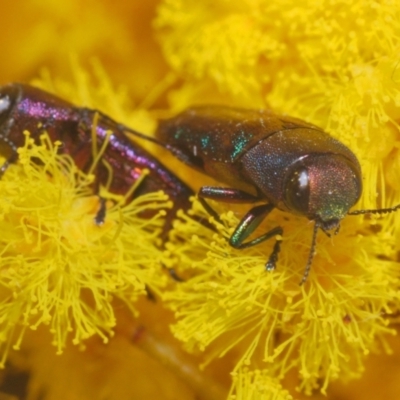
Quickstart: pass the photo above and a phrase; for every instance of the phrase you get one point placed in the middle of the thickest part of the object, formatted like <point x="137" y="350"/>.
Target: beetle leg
<point x="101" y="213"/>
<point x="4" y="167"/>
<point x="209" y="209"/>
<point x="249" y="222"/>
<point x="172" y="273"/>
<point x="226" y="195"/>
<point x="12" y="158"/>
<point x="247" y="226"/>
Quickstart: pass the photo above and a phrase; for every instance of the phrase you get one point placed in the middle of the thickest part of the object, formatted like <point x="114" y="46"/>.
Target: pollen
<point x="62" y="273"/>
<point x="229" y="301"/>
<point x="59" y="268"/>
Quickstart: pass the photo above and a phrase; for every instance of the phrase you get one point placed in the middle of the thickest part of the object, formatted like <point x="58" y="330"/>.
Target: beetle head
<point x="323" y="188"/>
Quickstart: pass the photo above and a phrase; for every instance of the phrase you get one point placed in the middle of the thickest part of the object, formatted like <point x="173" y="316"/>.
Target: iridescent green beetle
<point x="283" y="162"/>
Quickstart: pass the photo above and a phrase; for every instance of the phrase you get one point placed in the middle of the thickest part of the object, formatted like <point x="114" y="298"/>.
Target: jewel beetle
<point x="278" y="161"/>
<point x="23" y="107"/>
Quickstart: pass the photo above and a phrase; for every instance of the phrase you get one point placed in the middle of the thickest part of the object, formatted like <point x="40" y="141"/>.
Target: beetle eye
<point x="297" y="191"/>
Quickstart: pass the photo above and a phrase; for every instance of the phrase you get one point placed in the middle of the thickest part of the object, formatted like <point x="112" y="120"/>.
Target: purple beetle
<point x="23" y="107"/>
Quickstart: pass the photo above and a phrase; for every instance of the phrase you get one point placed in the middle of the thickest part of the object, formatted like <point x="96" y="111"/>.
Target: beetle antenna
<point x="143" y="136"/>
<point x="375" y="211"/>
<point x="311" y="254"/>
<point x="176" y="152"/>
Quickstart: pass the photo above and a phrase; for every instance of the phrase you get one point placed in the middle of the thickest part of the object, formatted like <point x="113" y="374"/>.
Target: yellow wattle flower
<point x="331" y="63"/>
<point x="322" y="329"/>
<point x="60" y="268"/>
<point x="335" y="66"/>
